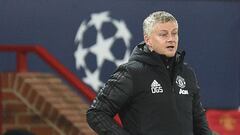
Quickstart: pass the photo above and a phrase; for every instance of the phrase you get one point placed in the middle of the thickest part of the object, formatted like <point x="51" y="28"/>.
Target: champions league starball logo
<point x="103" y="44"/>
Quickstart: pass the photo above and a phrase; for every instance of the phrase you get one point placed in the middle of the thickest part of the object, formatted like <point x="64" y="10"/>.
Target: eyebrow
<point x="163" y="31"/>
<point x="175" y="29"/>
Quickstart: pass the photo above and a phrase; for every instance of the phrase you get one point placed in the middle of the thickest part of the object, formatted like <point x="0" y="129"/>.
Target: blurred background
<point x="91" y="38"/>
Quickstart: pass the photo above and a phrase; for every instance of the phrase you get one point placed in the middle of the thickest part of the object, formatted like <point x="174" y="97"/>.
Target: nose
<point x="171" y="38"/>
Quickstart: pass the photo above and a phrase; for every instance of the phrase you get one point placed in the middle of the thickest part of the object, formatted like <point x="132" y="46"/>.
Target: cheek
<point x="159" y="46"/>
<point x="159" y="40"/>
<point x="177" y="38"/>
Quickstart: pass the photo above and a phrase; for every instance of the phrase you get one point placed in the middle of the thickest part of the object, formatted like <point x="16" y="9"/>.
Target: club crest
<point x="180" y="82"/>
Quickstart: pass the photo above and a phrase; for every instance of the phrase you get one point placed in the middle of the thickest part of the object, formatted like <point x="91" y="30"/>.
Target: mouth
<point x="170" y="47"/>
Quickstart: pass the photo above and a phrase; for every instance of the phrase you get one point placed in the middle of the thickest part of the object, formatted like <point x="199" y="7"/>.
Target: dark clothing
<point x="148" y="101"/>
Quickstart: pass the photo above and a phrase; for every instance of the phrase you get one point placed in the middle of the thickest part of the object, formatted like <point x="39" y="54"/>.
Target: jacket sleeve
<point x="200" y="124"/>
<point x="109" y="101"/>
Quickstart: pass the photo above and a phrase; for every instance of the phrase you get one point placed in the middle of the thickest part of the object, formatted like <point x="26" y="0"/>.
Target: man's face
<point x="163" y="39"/>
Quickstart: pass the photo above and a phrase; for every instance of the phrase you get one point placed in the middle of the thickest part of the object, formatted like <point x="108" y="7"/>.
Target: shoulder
<point x="190" y="71"/>
<point x="188" y="67"/>
<point x="131" y="69"/>
<point x="132" y="66"/>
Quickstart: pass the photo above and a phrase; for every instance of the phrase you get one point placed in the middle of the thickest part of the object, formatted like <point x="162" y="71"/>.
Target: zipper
<point x="171" y="80"/>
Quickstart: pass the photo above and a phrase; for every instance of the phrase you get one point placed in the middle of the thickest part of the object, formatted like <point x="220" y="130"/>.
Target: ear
<point x="146" y="39"/>
<point x="148" y="42"/>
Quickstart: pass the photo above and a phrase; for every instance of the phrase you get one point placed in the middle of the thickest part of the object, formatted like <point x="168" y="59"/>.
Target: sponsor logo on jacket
<point x="183" y="92"/>
<point x="156" y="87"/>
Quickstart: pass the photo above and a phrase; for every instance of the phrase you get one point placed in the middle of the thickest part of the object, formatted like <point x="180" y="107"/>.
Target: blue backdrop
<point x="209" y="32"/>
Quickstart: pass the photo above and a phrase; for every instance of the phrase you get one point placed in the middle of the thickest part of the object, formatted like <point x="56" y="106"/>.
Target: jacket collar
<point x="143" y="54"/>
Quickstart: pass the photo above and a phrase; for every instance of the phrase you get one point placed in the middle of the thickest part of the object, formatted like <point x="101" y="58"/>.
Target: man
<point x="155" y="93"/>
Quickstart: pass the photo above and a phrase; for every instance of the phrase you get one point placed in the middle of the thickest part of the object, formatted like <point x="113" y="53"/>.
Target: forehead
<point x="171" y="25"/>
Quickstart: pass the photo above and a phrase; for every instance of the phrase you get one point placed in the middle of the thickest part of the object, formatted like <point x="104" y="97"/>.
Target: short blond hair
<point x="156" y="17"/>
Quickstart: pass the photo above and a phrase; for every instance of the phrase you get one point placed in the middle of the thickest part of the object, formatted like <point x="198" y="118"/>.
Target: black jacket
<point x="148" y="101"/>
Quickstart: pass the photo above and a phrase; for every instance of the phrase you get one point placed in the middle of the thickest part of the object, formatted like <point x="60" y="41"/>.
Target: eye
<point x="174" y="33"/>
<point x="163" y="34"/>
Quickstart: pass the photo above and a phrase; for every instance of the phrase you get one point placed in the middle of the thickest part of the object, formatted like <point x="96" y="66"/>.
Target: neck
<point x="167" y="60"/>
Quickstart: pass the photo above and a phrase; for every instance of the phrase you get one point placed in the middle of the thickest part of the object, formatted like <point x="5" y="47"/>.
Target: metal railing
<point x="22" y="62"/>
<point x="21" y="57"/>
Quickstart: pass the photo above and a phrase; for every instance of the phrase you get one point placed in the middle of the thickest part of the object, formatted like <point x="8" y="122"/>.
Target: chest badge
<point x="180" y="82"/>
<point x="156" y="87"/>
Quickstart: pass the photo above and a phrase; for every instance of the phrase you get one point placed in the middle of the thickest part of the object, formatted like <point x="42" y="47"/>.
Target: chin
<point x="170" y="55"/>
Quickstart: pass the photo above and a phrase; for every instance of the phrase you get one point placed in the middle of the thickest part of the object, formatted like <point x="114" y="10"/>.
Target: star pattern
<point x="81" y="30"/>
<point x="125" y="58"/>
<point x="97" y="19"/>
<point x="92" y="79"/>
<point x="79" y="55"/>
<point x="102" y="49"/>
<point x="122" y="31"/>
